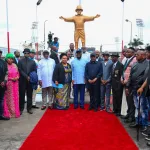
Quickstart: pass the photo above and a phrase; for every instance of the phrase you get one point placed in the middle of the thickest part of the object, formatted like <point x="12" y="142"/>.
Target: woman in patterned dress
<point x="62" y="75"/>
<point x="11" y="98"/>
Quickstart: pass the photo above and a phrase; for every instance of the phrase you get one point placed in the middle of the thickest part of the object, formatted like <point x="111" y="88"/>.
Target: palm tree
<point x="136" y="43"/>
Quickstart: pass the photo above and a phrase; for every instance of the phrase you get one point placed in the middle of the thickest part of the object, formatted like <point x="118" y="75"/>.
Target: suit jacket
<point x="116" y="76"/>
<point x="54" y="56"/>
<point x="59" y="73"/>
<point x="26" y="66"/>
<point x="107" y="70"/>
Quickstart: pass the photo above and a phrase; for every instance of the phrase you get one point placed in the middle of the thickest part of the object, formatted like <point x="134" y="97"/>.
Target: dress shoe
<point x="133" y="125"/>
<point x="21" y="112"/>
<point x="30" y="111"/>
<point x="4" y="118"/>
<point x="96" y="109"/>
<point x="43" y="107"/>
<point x="90" y="108"/>
<point x="118" y="114"/>
<point x="34" y="106"/>
<point x="148" y="143"/>
<point x="129" y="120"/>
<point x="50" y="107"/>
<point x="67" y="107"/>
<point x="125" y="117"/>
<point x="82" y="107"/>
<point x="75" y="107"/>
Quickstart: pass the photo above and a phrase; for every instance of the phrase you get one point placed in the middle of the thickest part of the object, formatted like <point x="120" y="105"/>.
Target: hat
<point x="115" y="54"/>
<point x="9" y="55"/>
<point x="106" y="53"/>
<point x="1" y="51"/>
<point x="32" y="51"/>
<point x="148" y="48"/>
<point x="79" y="7"/>
<point x="78" y="51"/>
<point x="93" y="55"/>
<point x="26" y="50"/>
<point x="45" y="52"/>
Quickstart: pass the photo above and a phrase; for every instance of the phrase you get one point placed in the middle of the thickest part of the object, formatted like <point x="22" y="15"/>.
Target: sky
<point x="103" y="30"/>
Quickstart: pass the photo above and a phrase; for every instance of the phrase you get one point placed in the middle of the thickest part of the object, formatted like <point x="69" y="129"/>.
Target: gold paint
<point x="79" y="21"/>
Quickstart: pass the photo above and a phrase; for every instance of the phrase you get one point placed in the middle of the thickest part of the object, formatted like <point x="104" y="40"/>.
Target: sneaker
<point x="145" y="133"/>
<point x="147" y="138"/>
<point x="144" y="129"/>
<point x="43" y="107"/>
<point x="109" y="110"/>
<point x="102" y="109"/>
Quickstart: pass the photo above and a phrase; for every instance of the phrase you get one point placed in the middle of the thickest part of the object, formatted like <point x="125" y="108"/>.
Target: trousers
<point x="2" y="92"/>
<point x="79" y="88"/>
<point x="25" y="87"/>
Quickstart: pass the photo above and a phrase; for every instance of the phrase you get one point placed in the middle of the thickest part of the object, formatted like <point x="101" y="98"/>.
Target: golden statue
<point x="79" y="21"/>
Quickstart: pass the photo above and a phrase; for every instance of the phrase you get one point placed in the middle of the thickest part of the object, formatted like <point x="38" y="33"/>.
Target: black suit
<point x="116" y="87"/>
<point x="26" y="66"/>
<point x="15" y="62"/>
<point x="54" y="56"/>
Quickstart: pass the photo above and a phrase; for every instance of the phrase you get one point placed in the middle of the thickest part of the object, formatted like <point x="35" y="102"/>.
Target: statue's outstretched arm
<point x="90" y="18"/>
<point x="67" y="19"/>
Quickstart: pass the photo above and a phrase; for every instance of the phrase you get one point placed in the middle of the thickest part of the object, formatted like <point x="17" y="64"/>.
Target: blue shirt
<point x="78" y="70"/>
<point x="55" y="44"/>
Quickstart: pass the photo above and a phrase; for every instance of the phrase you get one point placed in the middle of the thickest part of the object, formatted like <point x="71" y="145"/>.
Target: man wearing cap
<point x="130" y="60"/>
<point x="79" y="21"/>
<point x="54" y="54"/>
<point x="93" y="73"/>
<point x="78" y="78"/>
<point x="26" y="66"/>
<point x="45" y="72"/>
<point x="3" y="81"/>
<point x="32" y="57"/>
<point x="17" y="57"/>
<point x="106" y="82"/>
<point x="85" y="54"/>
<point x="117" y="71"/>
<point x="55" y="43"/>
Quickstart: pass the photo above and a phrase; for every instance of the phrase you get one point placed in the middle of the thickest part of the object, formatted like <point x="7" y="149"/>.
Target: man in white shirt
<point x="85" y="54"/>
<point x="45" y="73"/>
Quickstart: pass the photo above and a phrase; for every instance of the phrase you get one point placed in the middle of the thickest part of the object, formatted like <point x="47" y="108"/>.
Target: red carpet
<point x="78" y="130"/>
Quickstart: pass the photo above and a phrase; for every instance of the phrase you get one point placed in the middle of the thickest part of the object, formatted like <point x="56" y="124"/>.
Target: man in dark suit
<point x="93" y="73"/>
<point x="54" y="54"/>
<point x="17" y="57"/>
<point x="117" y="71"/>
<point x="26" y="66"/>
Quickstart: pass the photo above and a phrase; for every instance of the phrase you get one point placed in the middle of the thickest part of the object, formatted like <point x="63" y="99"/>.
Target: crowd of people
<point x="70" y="75"/>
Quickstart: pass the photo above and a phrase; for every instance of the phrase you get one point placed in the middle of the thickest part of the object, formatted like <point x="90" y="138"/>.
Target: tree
<point x="136" y="43"/>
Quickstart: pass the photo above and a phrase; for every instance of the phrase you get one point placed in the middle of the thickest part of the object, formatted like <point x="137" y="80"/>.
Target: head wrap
<point x="9" y="55"/>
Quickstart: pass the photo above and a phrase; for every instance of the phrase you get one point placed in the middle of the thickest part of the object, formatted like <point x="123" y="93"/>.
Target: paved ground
<point x="15" y="131"/>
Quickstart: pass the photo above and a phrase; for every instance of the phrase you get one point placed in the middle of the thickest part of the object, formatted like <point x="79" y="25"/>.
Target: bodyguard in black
<point x="93" y="73"/>
<point x="117" y="71"/>
<point x="3" y="80"/>
<point x="26" y="66"/>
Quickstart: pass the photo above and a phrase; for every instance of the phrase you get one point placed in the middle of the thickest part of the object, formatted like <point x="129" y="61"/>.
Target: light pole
<point x="131" y="30"/>
<point x="122" y="24"/>
<point x="79" y="2"/>
<point x="37" y="4"/>
<point x="44" y="32"/>
<point x="8" y="40"/>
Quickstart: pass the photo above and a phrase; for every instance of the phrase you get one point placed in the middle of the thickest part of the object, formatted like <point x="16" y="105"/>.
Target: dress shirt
<point x="78" y="70"/>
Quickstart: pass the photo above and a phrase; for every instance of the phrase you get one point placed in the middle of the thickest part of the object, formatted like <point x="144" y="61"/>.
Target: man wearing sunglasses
<point x="26" y="66"/>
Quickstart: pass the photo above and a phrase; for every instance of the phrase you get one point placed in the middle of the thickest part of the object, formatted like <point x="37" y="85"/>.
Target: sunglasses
<point x="26" y="53"/>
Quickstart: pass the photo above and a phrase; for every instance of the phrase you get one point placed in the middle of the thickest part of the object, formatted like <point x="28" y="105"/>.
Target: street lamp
<point x="44" y="32"/>
<point x="131" y="30"/>
<point x="37" y="4"/>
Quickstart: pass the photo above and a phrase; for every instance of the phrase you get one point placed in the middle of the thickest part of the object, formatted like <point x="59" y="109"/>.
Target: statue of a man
<point x="79" y="21"/>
